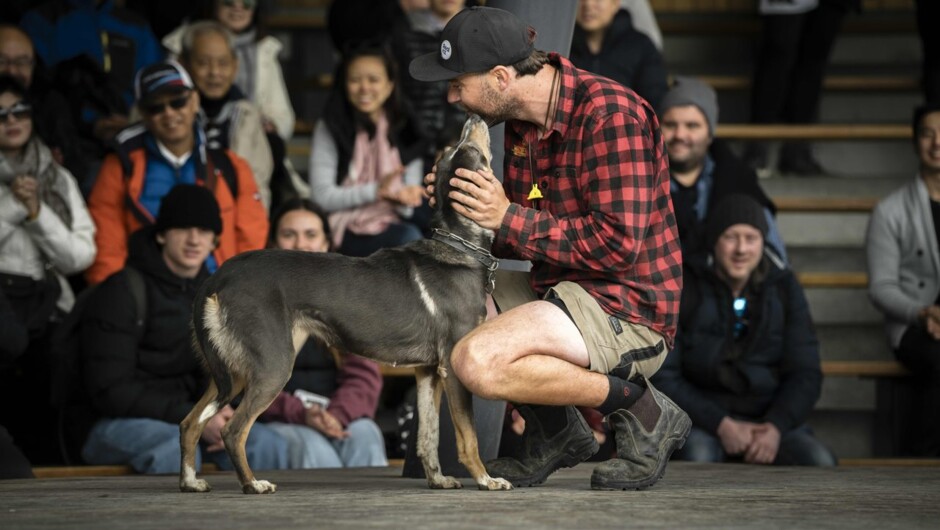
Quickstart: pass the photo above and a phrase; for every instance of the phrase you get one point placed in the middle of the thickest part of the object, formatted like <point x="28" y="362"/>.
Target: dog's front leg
<point x="429" y="421"/>
<point x="460" y="403"/>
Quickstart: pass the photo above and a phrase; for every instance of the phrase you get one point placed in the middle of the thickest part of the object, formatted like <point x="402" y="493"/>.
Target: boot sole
<point x="573" y="456"/>
<point x="677" y="443"/>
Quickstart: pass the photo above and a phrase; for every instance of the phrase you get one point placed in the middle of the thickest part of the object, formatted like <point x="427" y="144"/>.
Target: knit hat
<point x="691" y="91"/>
<point x="475" y="40"/>
<point x="189" y="206"/>
<point x="734" y="209"/>
<point x="162" y="77"/>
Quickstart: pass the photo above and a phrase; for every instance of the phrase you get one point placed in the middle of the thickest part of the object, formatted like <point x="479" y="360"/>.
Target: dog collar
<point x="479" y="253"/>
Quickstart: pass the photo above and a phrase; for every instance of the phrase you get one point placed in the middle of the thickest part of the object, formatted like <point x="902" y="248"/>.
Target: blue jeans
<point x="395" y="235"/>
<point x="307" y="448"/>
<point x="153" y="446"/>
<point x="797" y="448"/>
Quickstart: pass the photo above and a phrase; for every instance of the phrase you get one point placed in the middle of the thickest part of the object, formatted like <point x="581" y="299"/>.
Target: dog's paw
<point x="493" y="484"/>
<point x="259" y="486"/>
<point x="444" y="483"/>
<point x="195" y="486"/>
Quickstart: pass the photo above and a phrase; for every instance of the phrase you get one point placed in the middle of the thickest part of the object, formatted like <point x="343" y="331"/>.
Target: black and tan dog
<point x="405" y="306"/>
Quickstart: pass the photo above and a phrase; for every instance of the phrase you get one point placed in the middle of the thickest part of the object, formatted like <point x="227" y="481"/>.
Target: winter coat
<point x="158" y="376"/>
<point x="626" y="56"/>
<point x="775" y="375"/>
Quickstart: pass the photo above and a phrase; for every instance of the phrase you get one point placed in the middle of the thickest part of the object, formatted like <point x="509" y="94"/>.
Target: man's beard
<point x="688" y="163"/>
<point x="501" y="109"/>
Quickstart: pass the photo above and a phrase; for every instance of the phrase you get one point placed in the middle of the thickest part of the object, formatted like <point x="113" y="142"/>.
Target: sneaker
<point x="646" y="435"/>
<point x="543" y="454"/>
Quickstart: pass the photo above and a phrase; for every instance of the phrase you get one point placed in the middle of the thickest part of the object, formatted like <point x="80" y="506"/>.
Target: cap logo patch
<point x="446" y="50"/>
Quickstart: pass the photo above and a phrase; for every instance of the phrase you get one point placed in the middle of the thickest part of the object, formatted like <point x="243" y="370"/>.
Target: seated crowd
<point x="127" y="178"/>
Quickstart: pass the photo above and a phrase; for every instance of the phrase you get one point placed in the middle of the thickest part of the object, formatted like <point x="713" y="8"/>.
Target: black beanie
<point x="734" y="209"/>
<point x="189" y="206"/>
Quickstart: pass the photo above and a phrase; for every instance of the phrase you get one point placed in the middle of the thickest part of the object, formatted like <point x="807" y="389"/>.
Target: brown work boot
<point x="542" y="454"/>
<point x="646" y="435"/>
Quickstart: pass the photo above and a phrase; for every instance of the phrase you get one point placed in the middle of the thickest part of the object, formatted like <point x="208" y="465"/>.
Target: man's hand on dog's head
<point x="479" y="196"/>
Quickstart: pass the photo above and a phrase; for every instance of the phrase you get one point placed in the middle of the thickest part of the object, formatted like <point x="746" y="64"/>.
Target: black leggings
<point x="920" y="353"/>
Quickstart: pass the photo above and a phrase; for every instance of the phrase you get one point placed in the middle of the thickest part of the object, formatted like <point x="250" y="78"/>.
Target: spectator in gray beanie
<point x="691" y="91"/>
<point x="702" y="168"/>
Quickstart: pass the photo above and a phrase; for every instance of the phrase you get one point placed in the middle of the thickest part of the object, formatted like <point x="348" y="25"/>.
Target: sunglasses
<point x="19" y="111"/>
<point x="153" y="109"/>
<point x="247" y="4"/>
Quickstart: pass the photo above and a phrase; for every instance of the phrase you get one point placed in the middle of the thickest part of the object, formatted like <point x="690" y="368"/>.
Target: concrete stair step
<point x="842" y="306"/>
<point x="853" y="342"/>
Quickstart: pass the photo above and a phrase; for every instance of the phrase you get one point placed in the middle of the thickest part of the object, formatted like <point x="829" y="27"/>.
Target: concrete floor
<point x="691" y="495"/>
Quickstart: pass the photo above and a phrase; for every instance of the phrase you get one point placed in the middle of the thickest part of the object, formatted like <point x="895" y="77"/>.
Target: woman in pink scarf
<point x="365" y="163"/>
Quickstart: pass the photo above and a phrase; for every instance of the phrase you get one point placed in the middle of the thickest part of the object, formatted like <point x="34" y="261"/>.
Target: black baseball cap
<point x="475" y="40"/>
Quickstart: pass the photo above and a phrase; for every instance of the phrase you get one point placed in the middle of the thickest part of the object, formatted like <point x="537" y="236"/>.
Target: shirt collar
<point x="564" y="106"/>
<point x="176" y="161"/>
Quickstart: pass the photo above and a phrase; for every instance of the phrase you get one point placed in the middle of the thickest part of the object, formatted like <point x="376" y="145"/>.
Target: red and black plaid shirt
<point x="605" y="220"/>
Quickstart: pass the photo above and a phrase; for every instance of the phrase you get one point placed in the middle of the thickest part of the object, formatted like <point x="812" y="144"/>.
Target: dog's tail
<point x="208" y="330"/>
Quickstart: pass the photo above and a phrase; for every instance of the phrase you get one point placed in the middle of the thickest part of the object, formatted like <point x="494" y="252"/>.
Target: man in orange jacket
<point x="167" y="149"/>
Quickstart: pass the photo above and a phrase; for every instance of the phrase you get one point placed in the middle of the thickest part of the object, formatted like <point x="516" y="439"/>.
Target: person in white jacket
<point x="259" y="74"/>
<point x="46" y="234"/>
<point x="904" y="273"/>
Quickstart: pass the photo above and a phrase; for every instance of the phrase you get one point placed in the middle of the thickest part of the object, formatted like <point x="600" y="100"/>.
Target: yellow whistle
<point x="536" y="193"/>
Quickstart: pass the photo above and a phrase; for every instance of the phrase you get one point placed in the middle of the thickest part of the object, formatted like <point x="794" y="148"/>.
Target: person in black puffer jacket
<point x="142" y="383"/>
<point x="745" y="365"/>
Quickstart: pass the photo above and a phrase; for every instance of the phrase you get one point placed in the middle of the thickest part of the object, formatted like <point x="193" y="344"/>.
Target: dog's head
<point x="471" y="152"/>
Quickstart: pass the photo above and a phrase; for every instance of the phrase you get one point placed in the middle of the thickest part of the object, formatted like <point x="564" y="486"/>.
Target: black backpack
<point x="65" y="351"/>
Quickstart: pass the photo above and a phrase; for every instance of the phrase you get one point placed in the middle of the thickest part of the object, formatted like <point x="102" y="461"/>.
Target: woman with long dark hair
<point x="365" y="162"/>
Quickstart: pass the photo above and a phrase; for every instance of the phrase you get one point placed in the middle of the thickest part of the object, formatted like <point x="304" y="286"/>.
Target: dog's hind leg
<point x="460" y="404"/>
<point x="260" y="391"/>
<point x="429" y="405"/>
<point x="190" y="431"/>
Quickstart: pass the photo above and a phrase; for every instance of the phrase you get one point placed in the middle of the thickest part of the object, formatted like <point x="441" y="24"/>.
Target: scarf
<point x="36" y="160"/>
<point x="372" y="159"/>
<point x="247" y="51"/>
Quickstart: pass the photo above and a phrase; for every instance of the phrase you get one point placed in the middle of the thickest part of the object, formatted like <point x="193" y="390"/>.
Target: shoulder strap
<point x="218" y="160"/>
<point x="139" y="292"/>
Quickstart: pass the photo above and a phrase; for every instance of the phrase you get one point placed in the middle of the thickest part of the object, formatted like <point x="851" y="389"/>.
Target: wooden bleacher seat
<point x="860" y="83"/>
<point x="864" y="369"/>
<point x="809" y="132"/>
<point x="98" y="471"/>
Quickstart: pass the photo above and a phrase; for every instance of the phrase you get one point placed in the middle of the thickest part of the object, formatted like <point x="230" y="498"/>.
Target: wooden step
<point x="787" y="203"/>
<point x="833" y="280"/>
<point x="98" y="471"/>
<point x="860" y="83"/>
<point x="889" y="462"/>
<point x="864" y="369"/>
<point x="810" y="132"/>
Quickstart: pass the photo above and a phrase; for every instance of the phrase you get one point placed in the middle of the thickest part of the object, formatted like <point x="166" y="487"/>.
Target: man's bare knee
<point x="475" y="368"/>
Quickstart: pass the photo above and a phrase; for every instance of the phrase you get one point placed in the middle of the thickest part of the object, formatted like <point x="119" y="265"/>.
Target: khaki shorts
<point x="615" y="346"/>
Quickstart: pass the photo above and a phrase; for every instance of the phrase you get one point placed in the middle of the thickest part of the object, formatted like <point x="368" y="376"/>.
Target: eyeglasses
<point x="19" y="111"/>
<point x="154" y="109"/>
<point x="18" y="63"/>
<point x="247" y="4"/>
<point x="740" y="316"/>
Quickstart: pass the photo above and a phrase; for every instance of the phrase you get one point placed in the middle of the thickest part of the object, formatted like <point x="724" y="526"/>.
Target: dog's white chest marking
<point x="425" y="296"/>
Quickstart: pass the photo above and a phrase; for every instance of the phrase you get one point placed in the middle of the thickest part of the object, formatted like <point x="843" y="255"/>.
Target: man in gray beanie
<point x="703" y="169"/>
<point x="746" y="361"/>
